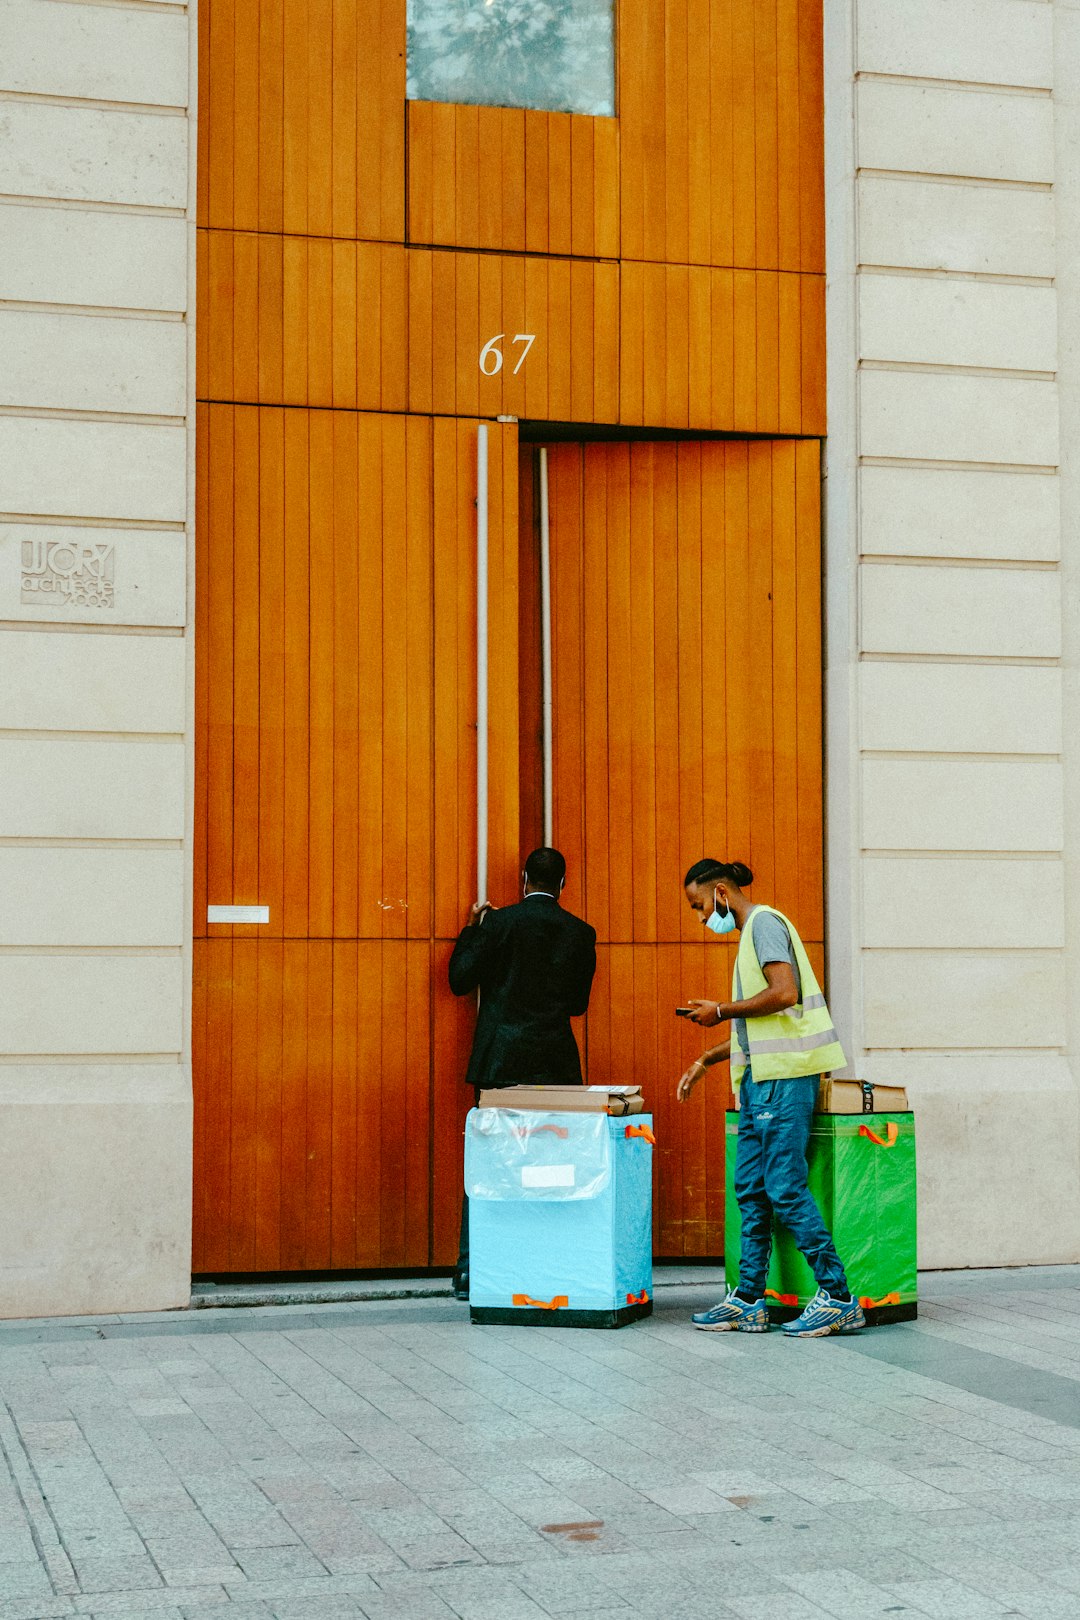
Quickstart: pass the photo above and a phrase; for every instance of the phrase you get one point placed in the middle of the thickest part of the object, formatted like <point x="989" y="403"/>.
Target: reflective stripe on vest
<point x="785" y="1045"/>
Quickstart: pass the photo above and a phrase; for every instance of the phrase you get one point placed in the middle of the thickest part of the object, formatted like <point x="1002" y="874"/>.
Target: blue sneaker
<point x="825" y="1315"/>
<point x="733" y="1313"/>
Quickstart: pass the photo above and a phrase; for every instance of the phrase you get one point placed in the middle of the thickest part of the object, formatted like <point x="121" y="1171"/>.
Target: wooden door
<point x="335" y="784"/>
<point x="687" y="668"/>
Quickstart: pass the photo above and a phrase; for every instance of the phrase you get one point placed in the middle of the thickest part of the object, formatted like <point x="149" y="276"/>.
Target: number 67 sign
<point x="491" y="356"/>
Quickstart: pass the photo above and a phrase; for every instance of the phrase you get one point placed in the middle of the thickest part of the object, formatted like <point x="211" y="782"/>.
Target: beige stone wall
<point x="951" y="136"/>
<point x="95" y="503"/>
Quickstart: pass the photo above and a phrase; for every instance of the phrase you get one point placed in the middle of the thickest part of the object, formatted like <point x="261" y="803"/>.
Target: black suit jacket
<point x="533" y="964"/>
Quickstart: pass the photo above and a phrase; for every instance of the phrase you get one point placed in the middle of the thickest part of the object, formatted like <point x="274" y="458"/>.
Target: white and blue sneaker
<point x="734" y="1315"/>
<point x="825" y="1315"/>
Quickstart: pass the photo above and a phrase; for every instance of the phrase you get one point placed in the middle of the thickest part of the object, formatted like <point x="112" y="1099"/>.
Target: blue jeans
<point x="770" y="1179"/>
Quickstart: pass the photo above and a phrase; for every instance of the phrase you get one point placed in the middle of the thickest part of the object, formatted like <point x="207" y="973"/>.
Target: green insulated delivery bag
<point x="862" y="1174"/>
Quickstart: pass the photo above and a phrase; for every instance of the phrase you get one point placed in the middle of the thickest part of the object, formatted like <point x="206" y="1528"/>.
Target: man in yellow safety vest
<point x="782" y="1042"/>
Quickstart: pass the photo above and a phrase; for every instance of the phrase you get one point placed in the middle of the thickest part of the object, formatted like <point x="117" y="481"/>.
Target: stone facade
<point x="953" y="317"/>
<point x="96" y="496"/>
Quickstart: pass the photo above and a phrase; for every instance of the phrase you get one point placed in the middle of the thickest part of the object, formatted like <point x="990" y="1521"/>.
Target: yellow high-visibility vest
<point x="783" y="1045"/>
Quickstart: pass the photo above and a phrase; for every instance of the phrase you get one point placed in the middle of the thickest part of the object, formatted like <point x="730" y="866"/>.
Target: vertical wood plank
<point x="295" y="130"/>
<point x="785" y="718"/>
<point x="245" y="668"/>
<point x="489" y="155"/>
<point x="619" y="718"/>
<point x="295" y="675"/>
<point x="421" y="227"/>
<point x="346" y="697"/>
<point x="606" y="187"/>
<point x="766" y="178"/>
<point x="536" y="182"/>
<point x="320" y="92"/>
<point x="789" y="254"/>
<point x="419" y="698"/>
<point x="268" y="1095"/>
<point x="642" y="684"/>
<point x="367" y="830"/>
<point x="677" y="115"/>
<point x="592" y="471"/>
<point x="349" y="1171"/>
<point x="347" y="374"/>
<point x="270" y="358"/>
<point x="354" y="144"/>
<point x="512" y="139"/>
<point x="811" y="137"/>
<point x="560" y="182"/>
<point x="654" y="199"/>
<point x="396" y="676"/>
<point x="271" y="114"/>
<point x="530" y="709"/>
<point x="242" y="1115"/>
<point x="270" y="603"/>
<point x="219" y="115"/>
<point x="809" y="679"/>
<point x="758" y="613"/>
<point x="318" y="1097"/>
<point x="320" y="783"/>
<point x="294" y="1067"/>
<point x="568" y="649"/>
<point x="444" y="202"/>
<point x="582" y="183"/>
<point x="743" y="93"/>
<point x="245" y="333"/>
<point x="667" y="715"/>
<point x="201" y="718"/>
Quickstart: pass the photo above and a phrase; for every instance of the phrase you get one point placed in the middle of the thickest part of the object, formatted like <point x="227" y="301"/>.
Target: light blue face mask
<point x="721" y="924"/>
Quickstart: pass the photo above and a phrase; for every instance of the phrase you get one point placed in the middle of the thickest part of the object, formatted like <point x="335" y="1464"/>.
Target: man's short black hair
<point x="545" y="869"/>
<point x="708" y="870"/>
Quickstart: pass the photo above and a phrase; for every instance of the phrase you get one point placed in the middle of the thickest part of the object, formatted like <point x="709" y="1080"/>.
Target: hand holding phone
<point x="683" y="1012"/>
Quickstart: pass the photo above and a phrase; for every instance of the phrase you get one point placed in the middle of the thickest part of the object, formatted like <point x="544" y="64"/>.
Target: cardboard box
<point x="616" y="1100"/>
<point x="861" y="1097"/>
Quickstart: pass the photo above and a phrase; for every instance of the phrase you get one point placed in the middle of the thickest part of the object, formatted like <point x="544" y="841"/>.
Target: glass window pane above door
<point x="557" y="55"/>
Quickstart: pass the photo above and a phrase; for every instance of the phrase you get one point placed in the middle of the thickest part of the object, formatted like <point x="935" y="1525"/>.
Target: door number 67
<point x="491" y="356"/>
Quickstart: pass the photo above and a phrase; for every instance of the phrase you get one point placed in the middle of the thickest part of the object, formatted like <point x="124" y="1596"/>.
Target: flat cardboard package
<point x="616" y="1100"/>
<point x="861" y="1097"/>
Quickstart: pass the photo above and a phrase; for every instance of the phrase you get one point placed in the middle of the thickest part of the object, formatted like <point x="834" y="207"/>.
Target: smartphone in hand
<point x="684" y="1012"/>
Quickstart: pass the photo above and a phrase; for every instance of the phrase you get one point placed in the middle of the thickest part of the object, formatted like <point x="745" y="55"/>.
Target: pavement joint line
<point x="43" y="1527"/>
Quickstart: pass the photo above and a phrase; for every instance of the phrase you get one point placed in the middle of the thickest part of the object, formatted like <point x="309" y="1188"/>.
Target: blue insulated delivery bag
<point x="560" y="1217"/>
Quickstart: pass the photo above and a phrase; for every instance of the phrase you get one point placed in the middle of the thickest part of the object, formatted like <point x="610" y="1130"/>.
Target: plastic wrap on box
<point x="545" y="1247"/>
<point x="517" y="1153"/>
<point x="862" y="1175"/>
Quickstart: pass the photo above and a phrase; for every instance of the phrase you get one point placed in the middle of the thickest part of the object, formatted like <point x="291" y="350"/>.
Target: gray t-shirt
<point x="772" y="942"/>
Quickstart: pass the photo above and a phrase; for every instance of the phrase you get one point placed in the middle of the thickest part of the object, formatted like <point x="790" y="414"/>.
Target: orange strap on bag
<point x="638" y="1299"/>
<point x="641" y="1130"/>
<point x="892" y="1132"/>
<point x="555" y="1304"/>
<point x="781" y="1299"/>
<point x="523" y="1131"/>
<point x="871" y="1304"/>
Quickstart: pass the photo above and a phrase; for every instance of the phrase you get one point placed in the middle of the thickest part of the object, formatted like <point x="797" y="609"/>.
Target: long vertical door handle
<point x="482" y="661"/>
<point x="545" y="652"/>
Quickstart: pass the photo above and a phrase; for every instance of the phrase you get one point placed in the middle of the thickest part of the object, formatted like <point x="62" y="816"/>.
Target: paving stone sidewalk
<point x="388" y="1460"/>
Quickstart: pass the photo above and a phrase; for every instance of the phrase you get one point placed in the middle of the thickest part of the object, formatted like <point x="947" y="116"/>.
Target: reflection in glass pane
<point x="553" y="54"/>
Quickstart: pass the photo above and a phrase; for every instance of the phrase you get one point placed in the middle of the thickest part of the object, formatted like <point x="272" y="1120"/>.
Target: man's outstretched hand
<point x="689" y="1080"/>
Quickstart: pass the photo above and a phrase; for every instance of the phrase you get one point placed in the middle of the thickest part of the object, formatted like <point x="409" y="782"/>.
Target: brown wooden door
<point x="687" y="668"/>
<point x="335" y="784"/>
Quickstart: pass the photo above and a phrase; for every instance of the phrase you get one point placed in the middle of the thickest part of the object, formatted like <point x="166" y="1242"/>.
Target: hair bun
<point x="741" y="874"/>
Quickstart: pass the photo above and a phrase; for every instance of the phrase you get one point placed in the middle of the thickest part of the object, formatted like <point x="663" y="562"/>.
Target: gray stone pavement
<point x="387" y="1460"/>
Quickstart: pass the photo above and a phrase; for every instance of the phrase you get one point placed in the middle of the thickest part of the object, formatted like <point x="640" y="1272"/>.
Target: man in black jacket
<point x="533" y="964"/>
